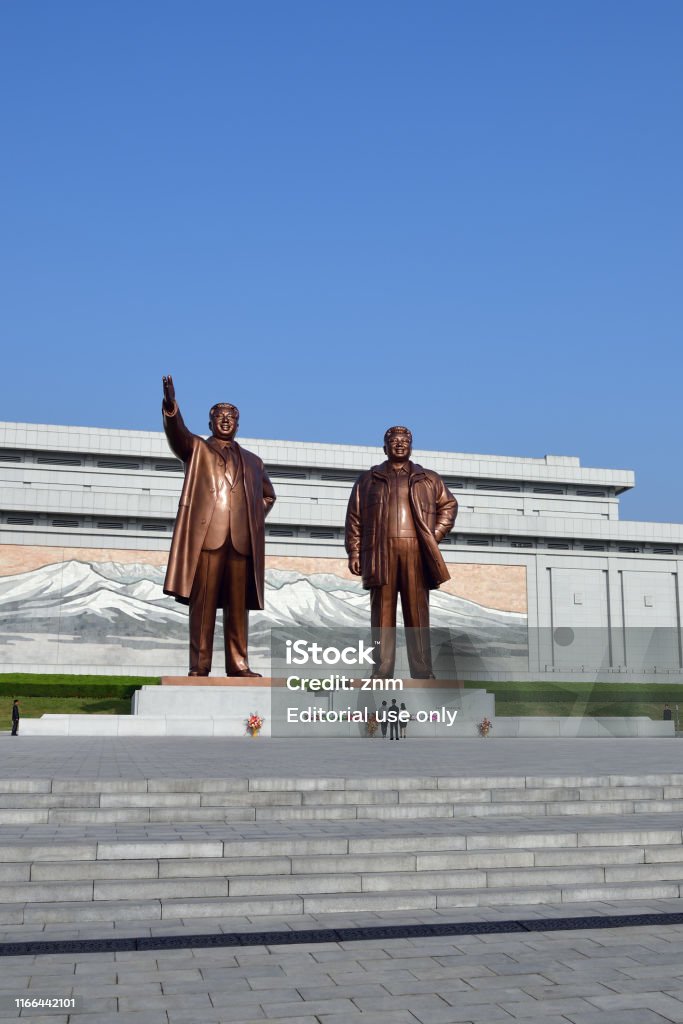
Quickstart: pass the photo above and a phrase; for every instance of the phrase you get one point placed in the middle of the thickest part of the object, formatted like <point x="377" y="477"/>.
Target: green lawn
<point x="70" y="694"/>
<point x="111" y="695"/>
<point x="583" y="699"/>
<point x="34" y="707"/>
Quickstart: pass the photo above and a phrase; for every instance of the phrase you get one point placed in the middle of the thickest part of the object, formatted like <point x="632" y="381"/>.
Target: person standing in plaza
<point x="383" y="722"/>
<point x="392" y="715"/>
<point x="404" y="721"/>
<point x="15" y="718"/>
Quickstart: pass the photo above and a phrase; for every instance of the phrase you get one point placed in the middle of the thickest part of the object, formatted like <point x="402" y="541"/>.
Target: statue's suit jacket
<point x="434" y="510"/>
<point x="204" y="476"/>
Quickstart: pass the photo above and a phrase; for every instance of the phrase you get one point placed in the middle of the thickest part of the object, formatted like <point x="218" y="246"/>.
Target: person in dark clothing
<point x="384" y="724"/>
<point x="15" y="718"/>
<point x="666" y="715"/>
<point x="403" y="724"/>
<point x="392" y="716"/>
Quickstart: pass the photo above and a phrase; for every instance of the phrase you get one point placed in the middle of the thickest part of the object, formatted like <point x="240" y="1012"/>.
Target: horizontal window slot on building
<point x="522" y="544"/>
<point x="477" y="541"/>
<point x="455" y="483"/>
<point x="117" y="464"/>
<point x="492" y="510"/>
<point x="168" y="466"/>
<point x="10" y="457"/>
<point x="20" y="521"/>
<point x="323" y="534"/>
<point x="630" y="549"/>
<point x="489" y="486"/>
<point x="663" y="551"/>
<point x="280" y="533"/>
<point x="548" y="490"/>
<point x="58" y="460"/>
<point x="594" y="547"/>
<point x="150" y="525"/>
<point x="588" y="492"/>
<point x="288" y="474"/>
<point x="110" y="524"/>
<point x="342" y="478"/>
<point x="558" y="545"/>
<point x="65" y="522"/>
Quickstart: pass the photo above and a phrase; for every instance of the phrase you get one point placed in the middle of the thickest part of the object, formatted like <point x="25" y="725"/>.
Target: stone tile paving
<point x="187" y="757"/>
<point x="624" y="975"/>
<point x="599" y="976"/>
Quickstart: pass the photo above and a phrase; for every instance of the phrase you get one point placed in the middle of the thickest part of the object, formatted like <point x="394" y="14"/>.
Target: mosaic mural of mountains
<point x="115" y="613"/>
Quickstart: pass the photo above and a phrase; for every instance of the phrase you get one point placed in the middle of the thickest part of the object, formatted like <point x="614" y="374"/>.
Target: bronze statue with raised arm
<point x="397" y="515"/>
<point x="217" y="557"/>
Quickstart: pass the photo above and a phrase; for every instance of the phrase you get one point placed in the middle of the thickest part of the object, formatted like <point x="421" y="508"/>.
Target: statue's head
<point x="398" y="444"/>
<point x="224" y="419"/>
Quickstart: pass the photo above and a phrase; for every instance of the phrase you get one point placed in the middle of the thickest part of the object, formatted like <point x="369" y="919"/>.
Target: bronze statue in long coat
<point x="217" y="557"/>
<point x="397" y="515"/>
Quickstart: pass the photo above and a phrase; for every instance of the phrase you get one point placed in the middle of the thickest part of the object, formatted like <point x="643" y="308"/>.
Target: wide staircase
<point x="172" y="850"/>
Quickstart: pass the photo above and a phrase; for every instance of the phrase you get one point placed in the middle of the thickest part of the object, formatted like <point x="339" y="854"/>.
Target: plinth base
<point x="223" y="703"/>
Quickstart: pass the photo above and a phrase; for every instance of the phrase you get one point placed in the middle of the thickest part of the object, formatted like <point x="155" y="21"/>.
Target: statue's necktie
<point x="230" y="463"/>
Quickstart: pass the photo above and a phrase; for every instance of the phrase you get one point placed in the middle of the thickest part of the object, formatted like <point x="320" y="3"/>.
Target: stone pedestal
<point x="220" y="705"/>
<point x="220" y="708"/>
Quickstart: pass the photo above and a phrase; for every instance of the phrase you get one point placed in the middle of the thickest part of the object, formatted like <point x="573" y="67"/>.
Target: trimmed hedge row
<point x="119" y="687"/>
<point x="636" y="692"/>
<point x="122" y="687"/>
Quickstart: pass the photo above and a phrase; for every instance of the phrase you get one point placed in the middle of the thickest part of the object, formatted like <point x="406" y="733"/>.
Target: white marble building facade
<point x="537" y="540"/>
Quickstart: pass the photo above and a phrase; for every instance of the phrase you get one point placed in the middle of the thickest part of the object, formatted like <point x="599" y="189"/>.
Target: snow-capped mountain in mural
<point x="110" y="603"/>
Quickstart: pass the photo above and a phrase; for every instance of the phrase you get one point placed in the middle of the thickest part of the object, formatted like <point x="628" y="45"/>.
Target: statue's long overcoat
<point x="434" y="510"/>
<point x="204" y="476"/>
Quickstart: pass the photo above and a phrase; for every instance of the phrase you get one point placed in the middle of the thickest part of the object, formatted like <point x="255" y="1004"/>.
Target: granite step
<point x="254" y="906"/>
<point x="96" y="802"/>
<point x="455" y="794"/>
<point x="168" y="878"/>
<point x="560" y="843"/>
<point x="672" y="781"/>
<point x="618" y="863"/>
<point x="384" y="812"/>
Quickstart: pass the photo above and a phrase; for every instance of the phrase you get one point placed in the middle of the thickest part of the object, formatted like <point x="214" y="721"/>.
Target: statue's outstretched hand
<point x="169" y="393"/>
<point x="354" y="566"/>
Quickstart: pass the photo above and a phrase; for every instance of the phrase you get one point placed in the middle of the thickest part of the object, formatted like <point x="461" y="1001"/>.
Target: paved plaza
<point x="503" y="970"/>
<point x="182" y="757"/>
<point x="611" y="976"/>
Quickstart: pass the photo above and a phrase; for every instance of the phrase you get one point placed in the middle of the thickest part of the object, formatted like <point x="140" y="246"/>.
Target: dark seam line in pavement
<point x="307" y="935"/>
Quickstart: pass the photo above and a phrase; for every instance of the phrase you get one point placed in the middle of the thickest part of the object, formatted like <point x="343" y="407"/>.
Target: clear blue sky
<point x="463" y="216"/>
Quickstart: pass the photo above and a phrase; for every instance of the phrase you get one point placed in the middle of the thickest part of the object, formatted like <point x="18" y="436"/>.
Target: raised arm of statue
<point x="169" y="393"/>
<point x="178" y="436"/>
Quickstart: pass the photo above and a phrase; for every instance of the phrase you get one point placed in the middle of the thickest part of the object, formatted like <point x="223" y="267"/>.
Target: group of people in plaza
<point x="392" y="721"/>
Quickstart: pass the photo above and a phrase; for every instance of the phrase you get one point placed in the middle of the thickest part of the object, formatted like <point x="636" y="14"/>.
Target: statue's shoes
<point x="248" y="674"/>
